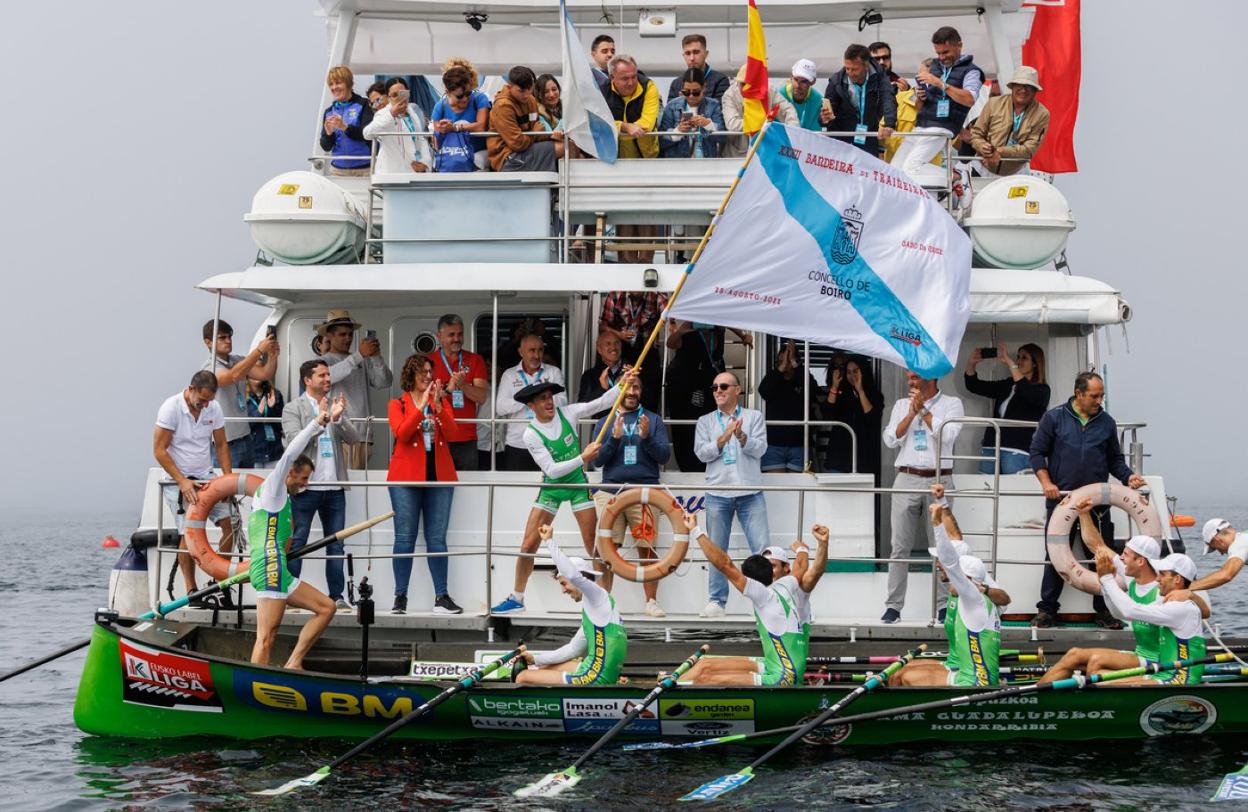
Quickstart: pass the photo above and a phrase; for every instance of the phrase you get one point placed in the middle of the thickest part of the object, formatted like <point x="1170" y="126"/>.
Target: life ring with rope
<point x="195" y="524"/>
<point x="647" y="497"/>
<point x="1057" y="533"/>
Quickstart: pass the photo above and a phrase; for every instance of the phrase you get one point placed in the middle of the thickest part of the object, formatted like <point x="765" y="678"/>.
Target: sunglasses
<point x="697" y="92"/>
<point x="459" y="96"/>
<point x="722" y="387"/>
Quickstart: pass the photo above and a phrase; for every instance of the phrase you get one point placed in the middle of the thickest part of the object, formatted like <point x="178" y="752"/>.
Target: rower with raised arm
<point x="780" y="592"/>
<point x="937" y="672"/>
<point x="580" y="662"/>
<point x="269" y="530"/>
<point x="1178" y="622"/>
<point x="551" y="439"/>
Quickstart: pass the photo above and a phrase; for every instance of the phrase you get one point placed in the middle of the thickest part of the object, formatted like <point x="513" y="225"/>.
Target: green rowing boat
<point x="159" y="679"/>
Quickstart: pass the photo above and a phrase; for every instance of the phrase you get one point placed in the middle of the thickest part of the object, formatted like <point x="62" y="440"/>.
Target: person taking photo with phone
<point x="1022" y="395"/>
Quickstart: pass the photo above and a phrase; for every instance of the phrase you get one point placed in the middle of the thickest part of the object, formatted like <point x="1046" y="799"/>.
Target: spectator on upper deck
<point x="882" y="53"/>
<point x="800" y="92"/>
<point x="943" y="102"/>
<point x="376" y="94"/>
<point x="691" y="112"/>
<point x="353" y="373"/>
<point x="605" y="374"/>
<point x="1022" y="396"/>
<point x="1011" y="128"/>
<point x="862" y="100"/>
<point x="399" y="155"/>
<point x="531" y="370"/>
<point x="550" y="102"/>
<point x="600" y="53"/>
<point x="463" y="110"/>
<point x="513" y="115"/>
<point x="467" y="384"/>
<point x="715" y="84"/>
<point x="634" y="102"/>
<point x="734" y="115"/>
<point x="233" y="372"/>
<point x="343" y="125"/>
<point x="786" y="389"/>
<point x="265" y="400"/>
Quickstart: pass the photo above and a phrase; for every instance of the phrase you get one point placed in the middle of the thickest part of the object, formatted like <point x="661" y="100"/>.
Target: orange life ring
<point x="1057" y="534"/>
<point x="655" y="497"/>
<point x="195" y="525"/>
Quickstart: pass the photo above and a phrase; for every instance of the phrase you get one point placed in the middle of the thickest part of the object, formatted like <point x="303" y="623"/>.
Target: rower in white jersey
<point x="1135" y="576"/>
<point x="943" y="672"/>
<point x="780" y="592"/>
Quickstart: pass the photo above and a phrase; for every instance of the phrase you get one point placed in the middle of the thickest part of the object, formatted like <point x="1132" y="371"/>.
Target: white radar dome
<point x="1019" y="222"/>
<point x="302" y="218"/>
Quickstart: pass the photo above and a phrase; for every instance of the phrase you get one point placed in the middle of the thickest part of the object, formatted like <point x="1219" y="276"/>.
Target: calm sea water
<point x="55" y="574"/>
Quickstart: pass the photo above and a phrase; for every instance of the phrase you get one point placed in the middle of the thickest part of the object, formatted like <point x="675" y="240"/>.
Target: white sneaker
<point x="654" y="610"/>
<point x="712" y="609"/>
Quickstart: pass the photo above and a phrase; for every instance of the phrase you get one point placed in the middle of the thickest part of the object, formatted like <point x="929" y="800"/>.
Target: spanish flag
<point x="754" y="89"/>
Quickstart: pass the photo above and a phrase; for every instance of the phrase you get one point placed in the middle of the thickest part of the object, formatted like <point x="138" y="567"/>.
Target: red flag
<point x="1052" y="49"/>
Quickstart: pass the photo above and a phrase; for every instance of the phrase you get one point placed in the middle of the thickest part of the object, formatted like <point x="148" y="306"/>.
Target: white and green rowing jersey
<point x="782" y="612"/>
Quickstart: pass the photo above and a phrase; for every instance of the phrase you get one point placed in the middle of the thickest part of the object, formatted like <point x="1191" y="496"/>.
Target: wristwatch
<point x="924" y="412"/>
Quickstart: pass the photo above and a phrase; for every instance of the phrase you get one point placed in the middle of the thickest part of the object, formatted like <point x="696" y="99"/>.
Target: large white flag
<point x="586" y="118"/>
<point x="825" y="243"/>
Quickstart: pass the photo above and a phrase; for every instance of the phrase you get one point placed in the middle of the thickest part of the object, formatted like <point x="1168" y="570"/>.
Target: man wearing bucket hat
<point x="1011" y="127"/>
<point x="353" y="372"/>
<point x="580" y="662"/>
<point x="800" y="92"/>
<point x="551" y="439"/>
<point x="1178" y="622"/>
<point x="1137" y="579"/>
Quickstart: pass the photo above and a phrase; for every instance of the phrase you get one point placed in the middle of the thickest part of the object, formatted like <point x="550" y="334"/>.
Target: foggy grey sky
<point x="139" y="131"/>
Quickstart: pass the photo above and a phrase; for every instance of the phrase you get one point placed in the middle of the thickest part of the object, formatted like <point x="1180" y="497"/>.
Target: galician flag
<point x="586" y="118"/>
<point x="824" y="243"/>
<point x="754" y="90"/>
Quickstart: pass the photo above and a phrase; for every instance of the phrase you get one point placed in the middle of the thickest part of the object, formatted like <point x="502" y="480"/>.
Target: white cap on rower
<point x="1146" y="546"/>
<point x="1176" y="562"/>
<point x="779" y="553"/>
<point x="973" y="568"/>
<point x="583" y="566"/>
<point x="1211" y="529"/>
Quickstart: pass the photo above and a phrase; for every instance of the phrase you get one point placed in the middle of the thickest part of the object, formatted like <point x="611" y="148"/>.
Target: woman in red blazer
<point x="420" y="419"/>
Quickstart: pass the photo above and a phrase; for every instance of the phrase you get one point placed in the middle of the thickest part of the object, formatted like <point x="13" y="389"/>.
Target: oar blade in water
<point x="725" y="783"/>
<point x="299" y="783"/>
<point x="552" y="784"/>
<point x="1234" y="787"/>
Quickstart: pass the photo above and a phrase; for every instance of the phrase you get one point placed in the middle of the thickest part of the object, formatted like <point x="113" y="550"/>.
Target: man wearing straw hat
<point x="1011" y="127"/>
<point x="353" y="373"/>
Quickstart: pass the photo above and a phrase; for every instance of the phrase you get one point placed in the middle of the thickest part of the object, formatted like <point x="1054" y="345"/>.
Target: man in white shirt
<point x="531" y="370"/>
<point x="916" y="425"/>
<point x="731" y="441"/>
<point x="353" y="373"/>
<point x="397" y="155"/>
<point x="233" y="372"/>
<point x="187" y="425"/>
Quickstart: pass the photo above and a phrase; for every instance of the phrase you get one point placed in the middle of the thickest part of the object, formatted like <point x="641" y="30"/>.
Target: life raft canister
<point x="1057" y="534"/>
<point x="653" y="497"/>
<point x="195" y="525"/>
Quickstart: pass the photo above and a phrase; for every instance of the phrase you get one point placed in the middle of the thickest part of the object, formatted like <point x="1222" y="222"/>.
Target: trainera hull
<point x="134" y="688"/>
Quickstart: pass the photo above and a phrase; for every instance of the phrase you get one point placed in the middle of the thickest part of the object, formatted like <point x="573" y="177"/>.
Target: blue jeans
<point x="241" y="454"/>
<point x="408" y="504"/>
<point x="751" y="512"/>
<point x="1011" y="461"/>
<point x="331" y="507"/>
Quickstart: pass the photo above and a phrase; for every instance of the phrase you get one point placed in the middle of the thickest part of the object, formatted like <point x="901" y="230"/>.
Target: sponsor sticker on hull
<point x="516" y="723"/>
<point x="516" y="707"/>
<point x="705" y="728"/>
<point x="159" y="679"/>
<point x="1178" y="714"/>
<point x="305" y="697"/>
<point x="714" y="709"/>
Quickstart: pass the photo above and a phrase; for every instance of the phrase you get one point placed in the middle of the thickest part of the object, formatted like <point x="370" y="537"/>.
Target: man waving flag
<point x="824" y="243"/>
<point x="586" y="118"/>
<point x="754" y="89"/>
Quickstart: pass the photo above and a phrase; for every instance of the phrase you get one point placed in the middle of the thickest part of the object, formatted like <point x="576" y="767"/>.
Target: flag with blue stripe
<point x="825" y="243"/>
<point x="586" y="118"/>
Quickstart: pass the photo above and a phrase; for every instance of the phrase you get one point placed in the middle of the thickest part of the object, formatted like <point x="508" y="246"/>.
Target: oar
<point x="554" y="783"/>
<point x="727" y="783"/>
<point x="211" y="589"/>
<point x="1234" y="786"/>
<point x="465" y="681"/>
<point x="965" y="699"/>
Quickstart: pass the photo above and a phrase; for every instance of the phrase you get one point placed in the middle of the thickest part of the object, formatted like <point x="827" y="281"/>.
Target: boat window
<point x="552" y="325"/>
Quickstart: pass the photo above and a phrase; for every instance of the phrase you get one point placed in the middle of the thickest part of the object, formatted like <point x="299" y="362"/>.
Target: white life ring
<point x="1057" y="534"/>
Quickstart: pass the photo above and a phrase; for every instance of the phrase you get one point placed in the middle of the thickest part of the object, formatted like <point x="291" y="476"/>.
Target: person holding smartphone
<point x="1022" y="395"/>
<point x="695" y="116"/>
<point x="398" y="155"/>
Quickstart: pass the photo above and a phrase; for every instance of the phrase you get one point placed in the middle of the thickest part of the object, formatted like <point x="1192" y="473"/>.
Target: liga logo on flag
<point x="825" y="243"/>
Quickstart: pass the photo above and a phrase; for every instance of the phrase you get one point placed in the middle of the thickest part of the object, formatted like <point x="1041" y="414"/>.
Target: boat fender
<point x="127" y="583"/>
<point x="1057" y="534"/>
<point x="655" y="498"/>
<point x="195" y="526"/>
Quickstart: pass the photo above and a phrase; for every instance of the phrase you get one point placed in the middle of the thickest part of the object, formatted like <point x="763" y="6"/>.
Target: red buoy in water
<point x="110" y="542"/>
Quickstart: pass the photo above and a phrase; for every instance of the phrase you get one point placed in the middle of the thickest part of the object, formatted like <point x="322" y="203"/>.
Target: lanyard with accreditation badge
<point x="942" y="104"/>
<point x="730" y="447"/>
<point x="324" y="443"/>
<point x="631" y="431"/>
<point x="537" y="378"/>
<point x="457" y="396"/>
